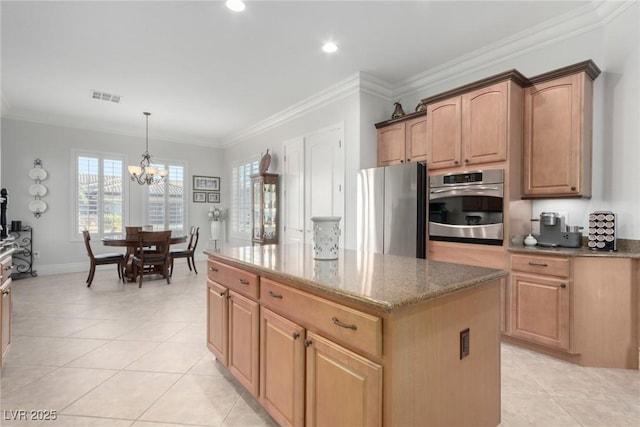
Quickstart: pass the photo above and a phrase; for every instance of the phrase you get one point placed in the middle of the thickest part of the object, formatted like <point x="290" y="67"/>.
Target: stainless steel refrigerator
<point x="392" y="209"/>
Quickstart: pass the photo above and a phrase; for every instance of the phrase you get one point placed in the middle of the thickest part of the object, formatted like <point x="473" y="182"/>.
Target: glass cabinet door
<point x="257" y="210"/>
<point x="264" y="208"/>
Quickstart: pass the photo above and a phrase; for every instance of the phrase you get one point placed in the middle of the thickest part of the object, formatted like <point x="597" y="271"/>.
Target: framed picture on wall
<point x="213" y="197"/>
<point x="206" y="183"/>
<point x="199" y="197"/>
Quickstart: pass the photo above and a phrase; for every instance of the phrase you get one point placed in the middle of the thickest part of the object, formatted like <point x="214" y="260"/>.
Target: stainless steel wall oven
<point x="467" y="207"/>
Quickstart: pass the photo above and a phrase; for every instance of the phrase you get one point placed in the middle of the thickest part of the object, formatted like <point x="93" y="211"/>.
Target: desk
<point x="131" y="243"/>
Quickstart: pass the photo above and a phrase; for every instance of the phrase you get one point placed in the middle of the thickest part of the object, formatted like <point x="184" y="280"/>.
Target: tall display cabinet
<point x="264" y="194"/>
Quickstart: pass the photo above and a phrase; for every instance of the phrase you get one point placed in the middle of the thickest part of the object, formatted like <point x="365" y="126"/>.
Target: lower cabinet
<point x="540" y="309"/>
<point x="343" y="388"/>
<point x="5" y="307"/>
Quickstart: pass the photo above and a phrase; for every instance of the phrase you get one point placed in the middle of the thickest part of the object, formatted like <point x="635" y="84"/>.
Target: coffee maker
<point x="554" y="232"/>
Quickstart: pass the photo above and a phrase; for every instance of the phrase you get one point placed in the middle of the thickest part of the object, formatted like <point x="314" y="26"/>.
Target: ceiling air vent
<point x="105" y="96"/>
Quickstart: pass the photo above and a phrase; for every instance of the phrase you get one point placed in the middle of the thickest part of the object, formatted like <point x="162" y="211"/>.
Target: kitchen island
<point x="367" y="339"/>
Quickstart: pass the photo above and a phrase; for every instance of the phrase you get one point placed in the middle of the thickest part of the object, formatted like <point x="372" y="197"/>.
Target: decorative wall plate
<point x="37" y="206"/>
<point x="38" y="173"/>
<point x="37" y="190"/>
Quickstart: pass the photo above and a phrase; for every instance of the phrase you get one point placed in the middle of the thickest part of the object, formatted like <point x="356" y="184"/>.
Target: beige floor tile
<point x="208" y="365"/>
<point x="534" y="411"/>
<point x="75" y="421"/>
<point x="14" y="377"/>
<point x="108" y="329"/>
<point x="114" y="355"/>
<point x="49" y="327"/>
<point x="56" y="390"/>
<point x="154" y="331"/>
<point x="155" y="424"/>
<point x="195" y="399"/>
<point x="247" y="412"/>
<point x="170" y="357"/>
<point x="124" y="396"/>
<point x="48" y="351"/>
<point x="194" y="333"/>
<point x="597" y="413"/>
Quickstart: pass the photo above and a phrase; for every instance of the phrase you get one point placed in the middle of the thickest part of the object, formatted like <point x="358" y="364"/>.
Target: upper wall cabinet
<point x="402" y="140"/>
<point x="558" y="110"/>
<point x="472" y="128"/>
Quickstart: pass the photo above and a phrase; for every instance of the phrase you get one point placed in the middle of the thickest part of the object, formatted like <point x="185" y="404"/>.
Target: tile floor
<point x="116" y="355"/>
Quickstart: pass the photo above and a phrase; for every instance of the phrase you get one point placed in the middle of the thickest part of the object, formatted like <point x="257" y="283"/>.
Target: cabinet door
<point x="416" y="139"/>
<point x="540" y="310"/>
<point x="557" y="138"/>
<point x="282" y="368"/>
<point x="484" y="124"/>
<point x="244" y="341"/>
<point x="343" y="388"/>
<point x="217" y="322"/>
<point x="444" y="133"/>
<point x="391" y="144"/>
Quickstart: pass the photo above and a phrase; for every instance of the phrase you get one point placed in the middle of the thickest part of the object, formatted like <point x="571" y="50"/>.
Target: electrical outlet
<point x="464" y="343"/>
<point x="36" y="254"/>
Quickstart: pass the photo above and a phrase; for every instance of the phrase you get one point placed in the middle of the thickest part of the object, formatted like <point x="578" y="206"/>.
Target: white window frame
<point x="185" y="188"/>
<point x="101" y="155"/>
<point x="253" y="163"/>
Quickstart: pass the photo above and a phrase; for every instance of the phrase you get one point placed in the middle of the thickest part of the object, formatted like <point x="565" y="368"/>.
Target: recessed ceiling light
<point x="235" y="5"/>
<point x="329" y="47"/>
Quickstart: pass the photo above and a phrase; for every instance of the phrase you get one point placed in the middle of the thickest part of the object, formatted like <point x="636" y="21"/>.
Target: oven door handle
<point x="474" y="188"/>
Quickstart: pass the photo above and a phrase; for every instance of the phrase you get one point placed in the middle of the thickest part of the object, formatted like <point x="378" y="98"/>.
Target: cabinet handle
<point x="563" y="285"/>
<point x="274" y="295"/>
<point x="243" y="282"/>
<point x="8" y="267"/>
<point x="573" y="188"/>
<point x="5" y="293"/>
<point x="456" y="162"/>
<point x="213" y="269"/>
<point x="343" y="325"/>
<point x="401" y="161"/>
<point x="408" y="160"/>
<point x="539" y="264"/>
<point x="308" y="342"/>
<point x="466" y="160"/>
<point x="222" y="293"/>
<point x="295" y="335"/>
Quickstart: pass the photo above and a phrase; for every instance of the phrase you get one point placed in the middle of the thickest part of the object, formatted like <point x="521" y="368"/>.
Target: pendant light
<point x="145" y="173"/>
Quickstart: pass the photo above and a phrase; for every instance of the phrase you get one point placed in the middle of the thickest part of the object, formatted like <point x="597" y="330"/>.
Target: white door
<point x="324" y="176"/>
<point x="313" y="182"/>
<point x="293" y="186"/>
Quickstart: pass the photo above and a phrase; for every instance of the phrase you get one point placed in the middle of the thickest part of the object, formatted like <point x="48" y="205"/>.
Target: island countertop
<point x="380" y="282"/>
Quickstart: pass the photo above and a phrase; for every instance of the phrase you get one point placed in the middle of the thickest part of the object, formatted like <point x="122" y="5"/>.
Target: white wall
<point x="22" y="142"/>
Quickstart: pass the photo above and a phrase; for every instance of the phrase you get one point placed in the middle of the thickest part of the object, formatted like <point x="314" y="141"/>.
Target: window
<point x="241" y="197"/>
<point x="99" y="202"/>
<point x="165" y="200"/>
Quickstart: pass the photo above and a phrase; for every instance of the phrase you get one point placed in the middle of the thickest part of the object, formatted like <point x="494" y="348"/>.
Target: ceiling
<point x="206" y="73"/>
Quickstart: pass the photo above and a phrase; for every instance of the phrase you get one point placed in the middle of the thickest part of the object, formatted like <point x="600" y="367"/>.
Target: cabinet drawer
<point x="549" y="266"/>
<point x="6" y="265"/>
<point x="233" y="278"/>
<point x="344" y="325"/>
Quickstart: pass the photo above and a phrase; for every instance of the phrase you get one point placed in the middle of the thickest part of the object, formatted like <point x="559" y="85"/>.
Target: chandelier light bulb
<point x="329" y="47"/>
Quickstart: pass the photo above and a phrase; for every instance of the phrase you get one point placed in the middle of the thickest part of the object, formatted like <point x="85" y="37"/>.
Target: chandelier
<point x="145" y="173"/>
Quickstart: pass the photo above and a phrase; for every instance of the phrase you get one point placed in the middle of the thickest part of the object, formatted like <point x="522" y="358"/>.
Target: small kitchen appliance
<point x="602" y="231"/>
<point x="554" y="232"/>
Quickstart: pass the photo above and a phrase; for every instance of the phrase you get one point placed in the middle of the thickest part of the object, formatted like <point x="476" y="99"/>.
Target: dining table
<point x="131" y="242"/>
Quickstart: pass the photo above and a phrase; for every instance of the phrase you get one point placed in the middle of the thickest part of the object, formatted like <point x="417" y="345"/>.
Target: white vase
<point x="326" y="235"/>
<point x="216" y="230"/>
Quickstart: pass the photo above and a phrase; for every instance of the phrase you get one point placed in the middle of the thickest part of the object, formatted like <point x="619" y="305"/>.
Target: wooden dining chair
<point x="101" y="259"/>
<point x="189" y="251"/>
<point x="156" y="261"/>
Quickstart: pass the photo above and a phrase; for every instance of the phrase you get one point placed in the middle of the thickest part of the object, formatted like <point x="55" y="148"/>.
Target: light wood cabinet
<point x="558" y="110"/>
<point x="282" y="368"/>
<point x="540" y="309"/>
<point x="343" y="388"/>
<point x="233" y="322"/>
<point x="470" y="129"/>
<point x="5" y="306"/>
<point x="402" y="141"/>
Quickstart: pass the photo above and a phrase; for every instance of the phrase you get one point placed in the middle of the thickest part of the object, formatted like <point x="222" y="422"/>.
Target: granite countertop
<point x="380" y="282"/>
<point x="627" y="248"/>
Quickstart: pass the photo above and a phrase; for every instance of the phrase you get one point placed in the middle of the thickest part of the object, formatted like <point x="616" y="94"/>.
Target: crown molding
<point x="356" y="83"/>
<point x="585" y="19"/>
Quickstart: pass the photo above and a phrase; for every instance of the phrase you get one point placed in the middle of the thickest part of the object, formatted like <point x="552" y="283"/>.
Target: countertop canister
<point x="326" y="235"/>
